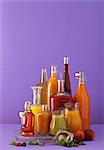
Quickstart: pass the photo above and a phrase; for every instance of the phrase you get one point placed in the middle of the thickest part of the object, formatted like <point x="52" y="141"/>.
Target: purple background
<point x="37" y="34"/>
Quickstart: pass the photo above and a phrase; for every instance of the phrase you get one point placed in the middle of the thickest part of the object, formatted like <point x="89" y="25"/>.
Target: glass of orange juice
<point x="72" y="117"/>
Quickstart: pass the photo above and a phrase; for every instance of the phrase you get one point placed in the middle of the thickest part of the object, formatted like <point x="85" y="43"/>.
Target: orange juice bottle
<point x="83" y="98"/>
<point x="52" y="86"/>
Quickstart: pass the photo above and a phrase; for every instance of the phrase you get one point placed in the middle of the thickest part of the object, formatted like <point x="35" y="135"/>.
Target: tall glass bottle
<point x="83" y="98"/>
<point x="36" y="107"/>
<point x="52" y="85"/>
<point x="60" y="98"/>
<point x="28" y="120"/>
<point x="67" y="83"/>
<point x="43" y="84"/>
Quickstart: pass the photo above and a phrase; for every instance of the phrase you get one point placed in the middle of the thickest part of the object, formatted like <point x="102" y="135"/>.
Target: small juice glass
<point x="72" y="117"/>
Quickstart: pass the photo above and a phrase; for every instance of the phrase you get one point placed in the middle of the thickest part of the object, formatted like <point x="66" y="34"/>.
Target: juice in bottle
<point x="60" y="98"/>
<point x="43" y="120"/>
<point x="43" y="84"/>
<point x="36" y="107"/>
<point x="52" y="86"/>
<point x="67" y="84"/>
<point x="72" y="117"/>
<point x="28" y="120"/>
<point x="83" y="98"/>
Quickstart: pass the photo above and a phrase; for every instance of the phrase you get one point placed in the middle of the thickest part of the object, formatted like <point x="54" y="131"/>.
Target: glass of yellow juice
<point x="72" y="117"/>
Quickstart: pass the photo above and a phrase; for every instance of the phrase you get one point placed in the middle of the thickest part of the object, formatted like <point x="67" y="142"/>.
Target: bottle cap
<point x="66" y="60"/>
<point x="80" y="76"/>
<point x="53" y="68"/>
<point x="43" y="70"/>
<point x="27" y="106"/>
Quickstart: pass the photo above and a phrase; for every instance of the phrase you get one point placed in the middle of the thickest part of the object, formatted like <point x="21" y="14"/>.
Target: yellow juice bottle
<point x="36" y="107"/>
<point x="52" y="86"/>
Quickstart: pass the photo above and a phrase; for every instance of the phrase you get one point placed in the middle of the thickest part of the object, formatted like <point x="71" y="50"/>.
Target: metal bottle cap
<point x="66" y="60"/>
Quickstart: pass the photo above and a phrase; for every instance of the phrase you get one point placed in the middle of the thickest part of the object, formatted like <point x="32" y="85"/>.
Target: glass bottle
<point x="60" y="98"/>
<point x="52" y="85"/>
<point x="28" y="120"/>
<point x="72" y="117"/>
<point x="83" y="98"/>
<point x="36" y="107"/>
<point x="57" y="122"/>
<point x="43" y="120"/>
<point x="67" y="84"/>
<point x="43" y="84"/>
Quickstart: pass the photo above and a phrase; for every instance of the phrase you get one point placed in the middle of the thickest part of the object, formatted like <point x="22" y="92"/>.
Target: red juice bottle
<point x="67" y="84"/>
<point x="60" y="98"/>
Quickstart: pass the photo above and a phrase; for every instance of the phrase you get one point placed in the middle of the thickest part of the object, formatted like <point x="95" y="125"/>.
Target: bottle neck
<point x="44" y="107"/>
<point x="26" y="111"/>
<point x="81" y="80"/>
<point x="53" y="74"/>
<point x="60" y="86"/>
<point x="44" y="78"/>
<point x="66" y="68"/>
<point x="27" y="106"/>
<point x="37" y="95"/>
<point x="53" y="71"/>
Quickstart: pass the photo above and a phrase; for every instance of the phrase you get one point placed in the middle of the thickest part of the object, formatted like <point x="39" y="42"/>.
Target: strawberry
<point x="89" y="134"/>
